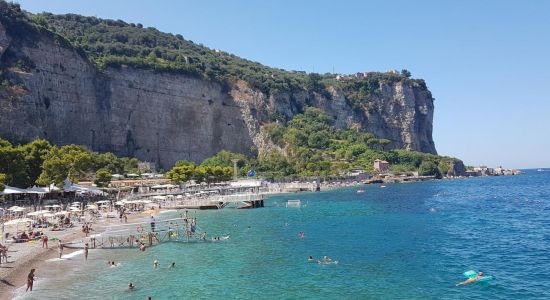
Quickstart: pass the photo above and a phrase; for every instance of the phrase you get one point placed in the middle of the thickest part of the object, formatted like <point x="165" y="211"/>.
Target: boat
<point x="540" y="170"/>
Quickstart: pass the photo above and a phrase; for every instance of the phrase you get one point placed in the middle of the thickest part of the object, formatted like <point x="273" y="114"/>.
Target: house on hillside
<point x="381" y="165"/>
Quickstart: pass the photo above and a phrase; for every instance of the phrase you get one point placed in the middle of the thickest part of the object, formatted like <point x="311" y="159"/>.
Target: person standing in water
<point x="60" y="248"/>
<point x="86" y="251"/>
<point x="30" y="280"/>
<point x="156" y="264"/>
<point x="152" y="223"/>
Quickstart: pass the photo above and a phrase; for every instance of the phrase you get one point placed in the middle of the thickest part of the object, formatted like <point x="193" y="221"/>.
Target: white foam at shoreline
<point x="20" y="292"/>
<point x="66" y="256"/>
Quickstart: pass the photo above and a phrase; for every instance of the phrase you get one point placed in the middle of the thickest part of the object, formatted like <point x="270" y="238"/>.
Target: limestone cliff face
<point x="59" y="95"/>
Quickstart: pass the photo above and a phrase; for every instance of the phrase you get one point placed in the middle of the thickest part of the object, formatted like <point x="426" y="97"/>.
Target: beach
<point x="26" y="256"/>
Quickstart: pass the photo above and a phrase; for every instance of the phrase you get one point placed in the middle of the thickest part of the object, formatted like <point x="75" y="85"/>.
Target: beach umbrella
<point x="14" y="208"/>
<point x="34" y="213"/>
<point x="48" y="215"/>
<point x="119" y="203"/>
<point x="56" y="206"/>
<point x="61" y="213"/>
<point x="74" y="209"/>
<point x="18" y="221"/>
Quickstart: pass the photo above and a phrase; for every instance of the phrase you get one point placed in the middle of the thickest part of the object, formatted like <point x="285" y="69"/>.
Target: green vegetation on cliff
<point x="311" y="146"/>
<point x="113" y="43"/>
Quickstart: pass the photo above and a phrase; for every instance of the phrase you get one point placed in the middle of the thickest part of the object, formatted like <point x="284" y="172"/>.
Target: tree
<point x="103" y="177"/>
<point x="12" y="164"/>
<point x="429" y="168"/>
<point x="406" y="73"/>
<point x="2" y="181"/>
<point x="181" y="173"/>
<point x="225" y="159"/>
<point x="35" y="152"/>
<point x="71" y="161"/>
<point x="444" y="167"/>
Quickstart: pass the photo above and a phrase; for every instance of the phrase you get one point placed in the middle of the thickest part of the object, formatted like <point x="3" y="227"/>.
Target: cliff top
<point x="113" y="43"/>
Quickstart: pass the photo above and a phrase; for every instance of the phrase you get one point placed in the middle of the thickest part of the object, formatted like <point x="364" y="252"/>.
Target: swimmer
<point x="471" y="279"/>
<point x="228" y="237"/>
<point x="131" y="286"/>
<point x="310" y="258"/>
<point x="86" y="251"/>
<point x="172" y="265"/>
<point x="156" y="263"/>
<point x="302" y="234"/>
<point x="142" y="247"/>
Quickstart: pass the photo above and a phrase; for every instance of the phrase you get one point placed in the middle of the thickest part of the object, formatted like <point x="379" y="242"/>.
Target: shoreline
<point x="14" y="273"/>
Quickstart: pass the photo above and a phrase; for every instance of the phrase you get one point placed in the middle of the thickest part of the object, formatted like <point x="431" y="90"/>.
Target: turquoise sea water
<point x="405" y="241"/>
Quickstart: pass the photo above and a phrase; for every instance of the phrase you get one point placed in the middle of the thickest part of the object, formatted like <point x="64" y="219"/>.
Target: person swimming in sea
<point x="310" y="258"/>
<point x="172" y="265"/>
<point x="156" y="264"/>
<point x="131" y="286"/>
<point x="302" y="234"/>
<point x="471" y="279"/>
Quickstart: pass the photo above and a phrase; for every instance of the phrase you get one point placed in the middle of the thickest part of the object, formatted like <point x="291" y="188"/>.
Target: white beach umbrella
<point x="18" y="221"/>
<point x="103" y="201"/>
<point x="61" y="213"/>
<point x="74" y="209"/>
<point x="34" y="213"/>
<point x="14" y="208"/>
<point x="48" y="215"/>
<point x="56" y="206"/>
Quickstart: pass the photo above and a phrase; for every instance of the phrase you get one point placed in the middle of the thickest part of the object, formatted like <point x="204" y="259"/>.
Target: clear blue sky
<point x="487" y="63"/>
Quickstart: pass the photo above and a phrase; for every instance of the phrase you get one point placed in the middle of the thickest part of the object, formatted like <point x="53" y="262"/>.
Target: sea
<point x="401" y="241"/>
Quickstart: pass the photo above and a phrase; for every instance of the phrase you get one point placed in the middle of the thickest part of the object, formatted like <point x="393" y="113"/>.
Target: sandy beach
<point x="22" y="257"/>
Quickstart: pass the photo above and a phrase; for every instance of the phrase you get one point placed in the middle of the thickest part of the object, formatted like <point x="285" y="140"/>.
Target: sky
<point x="487" y="63"/>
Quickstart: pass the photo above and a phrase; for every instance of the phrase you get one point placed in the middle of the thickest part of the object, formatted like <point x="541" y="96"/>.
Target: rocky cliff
<point x="51" y="90"/>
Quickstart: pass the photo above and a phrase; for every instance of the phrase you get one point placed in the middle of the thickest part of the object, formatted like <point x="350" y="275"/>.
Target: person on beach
<point x="4" y="253"/>
<point x="30" y="280"/>
<point x="60" y="248"/>
<point x="45" y="241"/>
<point x="142" y="247"/>
<point x="152" y="224"/>
<point x="86" y="252"/>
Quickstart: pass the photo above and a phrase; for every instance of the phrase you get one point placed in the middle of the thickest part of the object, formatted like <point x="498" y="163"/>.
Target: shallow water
<point x="406" y="241"/>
